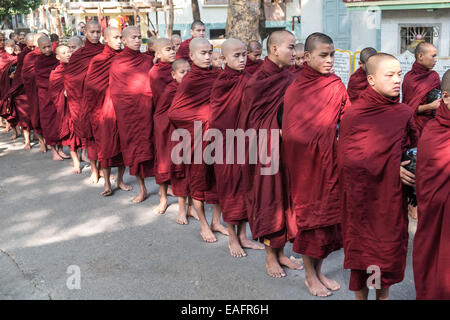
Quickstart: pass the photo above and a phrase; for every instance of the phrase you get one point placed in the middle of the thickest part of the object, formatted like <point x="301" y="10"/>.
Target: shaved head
<point x="299" y="47"/>
<point x="235" y="54"/>
<point x="277" y="38"/>
<point x="177" y="63"/>
<point x="37" y="36"/>
<point x="45" y="45"/>
<point x="375" y="61"/>
<point x="92" y="23"/>
<point x="93" y="31"/>
<point x="60" y="48"/>
<point x="445" y="84"/>
<point x="175" y="36"/>
<point x="200" y="52"/>
<point x="366" y="53"/>
<point x="131" y="38"/>
<point x="10" y="43"/>
<point x="176" y="40"/>
<point x="254" y="45"/>
<point x="316" y="38"/>
<point x="43" y="40"/>
<point x="196" y="43"/>
<point x="74" y="44"/>
<point x="160" y="43"/>
<point x="197" y="23"/>
<point x="108" y="31"/>
<point x="129" y="30"/>
<point x="422" y="48"/>
<point x="231" y="44"/>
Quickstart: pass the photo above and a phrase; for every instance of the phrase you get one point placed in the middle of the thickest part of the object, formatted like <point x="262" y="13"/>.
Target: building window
<point x="217" y="34"/>
<point x="411" y="36"/>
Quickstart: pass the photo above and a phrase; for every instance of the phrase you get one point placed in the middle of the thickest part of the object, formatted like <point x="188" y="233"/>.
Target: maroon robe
<point x="64" y="124"/>
<point x="374" y="133"/>
<point x="100" y="110"/>
<point x="183" y="50"/>
<point x="151" y="54"/>
<point x="294" y="69"/>
<point x="313" y="106"/>
<point x="29" y="83"/>
<point x="74" y="76"/>
<point x="252" y="66"/>
<point x="416" y="85"/>
<point x="224" y="108"/>
<point x="160" y="76"/>
<point x="132" y="100"/>
<point x="47" y="111"/>
<point x="191" y="103"/>
<point x="19" y="100"/>
<point x="357" y="84"/>
<point x="269" y="213"/>
<point x="431" y="254"/>
<point x="6" y="62"/>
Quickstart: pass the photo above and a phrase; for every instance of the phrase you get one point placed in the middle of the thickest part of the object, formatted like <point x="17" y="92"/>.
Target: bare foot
<point x="328" y="283"/>
<point x="27" y="146"/>
<point x="63" y="155"/>
<point x="161" y="209"/>
<point x="250" y="244"/>
<point x="316" y="288"/>
<point x="107" y="193"/>
<point x="42" y="148"/>
<point x="93" y="179"/>
<point x="412" y="211"/>
<point x="182" y="218"/>
<point x="274" y="269"/>
<point x="14" y="136"/>
<point x="218" y="227"/>
<point x="140" y="197"/>
<point x="192" y="213"/>
<point x="76" y="171"/>
<point x="207" y="234"/>
<point x="124" y="187"/>
<point x="170" y="192"/>
<point x="56" y="156"/>
<point x="236" y="249"/>
<point x="285" y="261"/>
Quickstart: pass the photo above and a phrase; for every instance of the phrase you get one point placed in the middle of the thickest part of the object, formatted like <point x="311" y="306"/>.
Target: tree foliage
<point x="11" y="7"/>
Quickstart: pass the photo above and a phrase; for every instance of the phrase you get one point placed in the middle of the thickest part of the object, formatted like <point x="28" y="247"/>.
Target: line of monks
<point x="341" y="181"/>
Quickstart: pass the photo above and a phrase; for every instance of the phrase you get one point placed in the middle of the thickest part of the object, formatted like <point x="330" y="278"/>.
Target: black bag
<point x="434" y="95"/>
<point x="411" y="154"/>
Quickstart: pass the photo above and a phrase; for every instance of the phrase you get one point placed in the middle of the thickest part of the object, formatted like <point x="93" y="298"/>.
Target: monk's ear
<point x="371" y="80"/>
<point x="173" y="74"/>
<point x="307" y="56"/>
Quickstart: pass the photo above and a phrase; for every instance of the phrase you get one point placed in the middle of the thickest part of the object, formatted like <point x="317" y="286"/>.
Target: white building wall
<point x="312" y="18"/>
<point x="390" y="28"/>
<point x="364" y="28"/>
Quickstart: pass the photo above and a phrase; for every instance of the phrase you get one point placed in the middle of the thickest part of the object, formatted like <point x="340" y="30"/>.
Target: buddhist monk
<point x="7" y="61"/>
<point x="29" y="82"/>
<point x="299" y="58"/>
<point x="45" y="63"/>
<point x="358" y="80"/>
<point x="254" y="51"/>
<point x="176" y="40"/>
<point x="418" y="82"/>
<point x="56" y="91"/>
<point x="374" y="133"/>
<point x="217" y="60"/>
<point x="198" y="30"/>
<point x="74" y="44"/>
<point x="269" y="213"/>
<point x="17" y="50"/>
<point x="191" y="103"/>
<point x="132" y="100"/>
<point x="54" y="38"/>
<point x="17" y="94"/>
<point x="160" y="77"/>
<point x="431" y="259"/>
<point x="74" y="77"/>
<point x="151" y="48"/>
<point x="226" y="97"/>
<point x="22" y="44"/>
<point x="100" y="111"/>
<point x="164" y="166"/>
<point x="14" y="37"/>
<point x="313" y="106"/>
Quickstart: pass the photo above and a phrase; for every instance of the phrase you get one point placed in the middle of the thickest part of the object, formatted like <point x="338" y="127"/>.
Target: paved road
<point x="51" y="220"/>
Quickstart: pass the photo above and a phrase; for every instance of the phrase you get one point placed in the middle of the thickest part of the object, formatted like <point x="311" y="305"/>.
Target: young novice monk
<point x="431" y="255"/>
<point x="358" y="81"/>
<point x="254" y="51"/>
<point x="374" y="133"/>
<point x="313" y="106"/>
<point x="217" y="60"/>
<point x="164" y="166"/>
<point x="299" y="58"/>
<point x="160" y="77"/>
<point x="226" y="97"/>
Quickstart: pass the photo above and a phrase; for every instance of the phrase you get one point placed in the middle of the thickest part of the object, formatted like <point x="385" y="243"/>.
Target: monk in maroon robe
<point x="7" y="61"/>
<point x="176" y="40"/>
<point x="254" y="51"/>
<point x="160" y="76"/>
<point x="17" y="96"/>
<point x="299" y="59"/>
<point x="164" y="167"/>
<point x="151" y="49"/>
<point x="190" y="106"/>
<point x="418" y="82"/>
<point x="74" y="77"/>
<point x="374" y="133"/>
<point x="132" y="100"/>
<point x="358" y="80"/>
<point x="431" y="254"/>
<point x="224" y="108"/>
<point x="45" y="63"/>
<point x="99" y="110"/>
<point x="269" y="213"/>
<point x="198" y="30"/>
<point x="29" y="82"/>
<point x="313" y="106"/>
<point x="56" y="92"/>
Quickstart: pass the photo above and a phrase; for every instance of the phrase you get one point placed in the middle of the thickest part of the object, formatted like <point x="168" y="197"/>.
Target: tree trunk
<point x="195" y="10"/>
<point x="246" y="15"/>
<point x="171" y="17"/>
<point x="262" y="21"/>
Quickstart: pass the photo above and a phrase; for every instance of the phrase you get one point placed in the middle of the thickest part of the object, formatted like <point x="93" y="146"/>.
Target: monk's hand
<point x="435" y="104"/>
<point x="408" y="178"/>
<point x="65" y="93"/>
